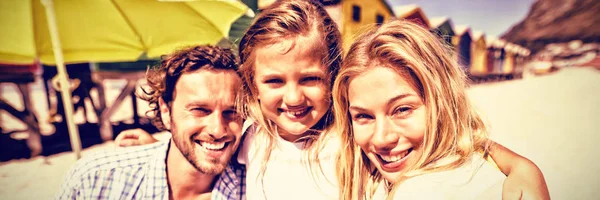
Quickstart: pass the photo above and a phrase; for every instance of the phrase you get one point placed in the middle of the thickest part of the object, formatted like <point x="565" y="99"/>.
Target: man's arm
<point x="134" y="137"/>
<point x="69" y="190"/>
<point x="525" y="180"/>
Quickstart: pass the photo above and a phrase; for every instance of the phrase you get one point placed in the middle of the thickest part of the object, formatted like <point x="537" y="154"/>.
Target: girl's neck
<point x="294" y="138"/>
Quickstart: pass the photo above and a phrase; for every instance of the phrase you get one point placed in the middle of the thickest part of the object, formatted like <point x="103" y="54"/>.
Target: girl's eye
<point x="311" y="79"/>
<point x="273" y="81"/>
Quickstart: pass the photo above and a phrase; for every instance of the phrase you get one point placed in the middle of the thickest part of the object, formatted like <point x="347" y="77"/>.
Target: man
<point x="192" y="95"/>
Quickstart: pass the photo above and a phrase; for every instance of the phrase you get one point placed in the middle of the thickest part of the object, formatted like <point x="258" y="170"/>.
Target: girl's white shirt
<point x="287" y="175"/>
<point x="476" y="179"/>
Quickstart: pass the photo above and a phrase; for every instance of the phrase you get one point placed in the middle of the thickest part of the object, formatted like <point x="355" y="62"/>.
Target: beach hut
<point x="356" y="16"/>
<point x="443" y="27"/>
<point x="352" y="16"/>
<point x="520" y="57"/>
<point x="462" y="42"/>
<point x="496" y="54"/>
<point x="508" y="66"/>
<point x="412" y="13"/>
<point x="491" y="53"/>
<point x="479" y="53"/>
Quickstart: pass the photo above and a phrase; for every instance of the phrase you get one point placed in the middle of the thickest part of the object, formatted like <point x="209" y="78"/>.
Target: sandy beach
<point x="551" y="119"/>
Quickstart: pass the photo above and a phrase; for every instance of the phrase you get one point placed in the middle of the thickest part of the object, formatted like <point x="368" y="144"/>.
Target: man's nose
<point x="215" y="125"/>
<point x="384" y="139"/>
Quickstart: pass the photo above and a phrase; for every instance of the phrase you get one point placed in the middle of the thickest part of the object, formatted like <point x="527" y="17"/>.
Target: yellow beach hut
<point x="479" y="54"/>
<point x="352" y="16"/>
<point x="356" y="16"/>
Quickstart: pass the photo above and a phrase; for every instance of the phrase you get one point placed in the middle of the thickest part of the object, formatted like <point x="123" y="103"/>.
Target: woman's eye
<point x="360" y="118"/>
<point x="402" y="111"/>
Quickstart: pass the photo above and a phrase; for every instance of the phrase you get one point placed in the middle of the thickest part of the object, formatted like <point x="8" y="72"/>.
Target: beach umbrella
<point x="56" y="32"/>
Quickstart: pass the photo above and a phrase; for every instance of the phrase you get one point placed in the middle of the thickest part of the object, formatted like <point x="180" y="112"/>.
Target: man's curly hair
<point x="162" y="78"/>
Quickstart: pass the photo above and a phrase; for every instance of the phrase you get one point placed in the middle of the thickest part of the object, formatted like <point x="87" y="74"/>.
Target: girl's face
<point x="388" y="119"/>
<point x="292" y="86"/>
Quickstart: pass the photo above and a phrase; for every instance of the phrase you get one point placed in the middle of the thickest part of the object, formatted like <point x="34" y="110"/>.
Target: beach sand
<point x="551" y="119"/>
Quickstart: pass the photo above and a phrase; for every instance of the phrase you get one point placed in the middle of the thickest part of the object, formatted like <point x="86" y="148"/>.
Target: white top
<point x="476" y="179"/>
<point x="287" y="176"/>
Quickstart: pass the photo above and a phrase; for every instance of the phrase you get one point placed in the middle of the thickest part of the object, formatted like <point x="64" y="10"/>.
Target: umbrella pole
<point x="63" y="78"/>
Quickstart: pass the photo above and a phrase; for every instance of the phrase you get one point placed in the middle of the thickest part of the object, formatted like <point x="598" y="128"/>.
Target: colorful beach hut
<point x="352" y="16"/>
<point x="462" y="42"/>
<point x="356" y="16"/>
<point x="496" y="54"/>
<point x="443" y="27"/>
<point x="479" y="54"/>
<point x="508" y="66"/>
<point x="412" y="13"/>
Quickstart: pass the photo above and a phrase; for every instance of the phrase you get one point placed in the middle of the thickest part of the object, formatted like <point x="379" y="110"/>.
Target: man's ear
<point x="165" y="113"/>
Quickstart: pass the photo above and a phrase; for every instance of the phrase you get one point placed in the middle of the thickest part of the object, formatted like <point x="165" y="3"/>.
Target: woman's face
<point x="292" y="86"/>
<point x="388" y="119"/>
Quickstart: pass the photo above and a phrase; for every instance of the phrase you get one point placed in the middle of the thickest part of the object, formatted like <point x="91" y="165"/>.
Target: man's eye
<point x="201" y="111"/>
<point x="231" y="114"/>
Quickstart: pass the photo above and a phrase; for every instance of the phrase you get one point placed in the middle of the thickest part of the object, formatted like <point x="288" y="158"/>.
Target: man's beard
<point x="207" y="165"/>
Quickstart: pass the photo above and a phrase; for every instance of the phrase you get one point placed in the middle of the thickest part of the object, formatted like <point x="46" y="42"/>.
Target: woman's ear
<point x="165" y="113"/>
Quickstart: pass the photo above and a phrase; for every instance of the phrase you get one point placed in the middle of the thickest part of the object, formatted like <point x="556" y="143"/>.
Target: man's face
<point x="205" y="125"/>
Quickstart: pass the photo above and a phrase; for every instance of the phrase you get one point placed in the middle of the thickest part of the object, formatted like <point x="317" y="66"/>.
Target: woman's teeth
<point x="294" y="113"/>
<point x="213" y="146"/>
<point x="394" y="158"/>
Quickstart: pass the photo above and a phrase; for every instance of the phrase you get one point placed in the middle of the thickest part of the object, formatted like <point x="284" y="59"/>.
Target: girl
<point x="411" y="126"/>
<point x="290" y="56"/>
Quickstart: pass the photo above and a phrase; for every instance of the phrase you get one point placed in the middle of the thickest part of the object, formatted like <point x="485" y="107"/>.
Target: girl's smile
<point x="292" y="86"/>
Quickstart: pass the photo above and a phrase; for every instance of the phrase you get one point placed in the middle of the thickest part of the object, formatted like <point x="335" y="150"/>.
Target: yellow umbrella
<point x="75" y="31"/>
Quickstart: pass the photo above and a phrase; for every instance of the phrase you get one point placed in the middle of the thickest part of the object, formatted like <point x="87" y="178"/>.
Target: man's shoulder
<point x="122" y="173"/>
<point x="121" y="158"/>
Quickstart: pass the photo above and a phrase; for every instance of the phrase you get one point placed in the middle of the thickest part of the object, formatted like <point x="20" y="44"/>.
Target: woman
<point x="400" y="101"/>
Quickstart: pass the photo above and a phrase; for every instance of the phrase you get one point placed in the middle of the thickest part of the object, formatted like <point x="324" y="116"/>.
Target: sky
<point x="493" y="17"/>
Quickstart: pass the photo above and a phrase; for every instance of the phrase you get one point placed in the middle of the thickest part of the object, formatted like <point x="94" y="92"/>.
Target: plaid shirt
<point x="231" y="184"/>
<point x="135" y="173"/>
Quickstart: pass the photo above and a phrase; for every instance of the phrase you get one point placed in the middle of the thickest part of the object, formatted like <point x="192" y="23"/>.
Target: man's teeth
<point x="213" y="146"/>
<point x="393" y="158"/>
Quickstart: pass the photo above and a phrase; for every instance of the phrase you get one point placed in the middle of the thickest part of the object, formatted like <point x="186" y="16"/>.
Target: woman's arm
<point x="525" y="180"/>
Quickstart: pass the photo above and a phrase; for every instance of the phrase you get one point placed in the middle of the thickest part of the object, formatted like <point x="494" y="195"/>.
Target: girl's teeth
<point x="213" y="146"/>
<point x="296" y="113"/>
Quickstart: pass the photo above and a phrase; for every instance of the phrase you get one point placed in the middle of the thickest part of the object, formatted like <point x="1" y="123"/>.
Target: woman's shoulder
<point x="473" y="179"/>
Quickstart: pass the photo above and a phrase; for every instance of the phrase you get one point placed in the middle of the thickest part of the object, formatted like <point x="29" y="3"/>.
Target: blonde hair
<point x="287" y="20"/>
<point x="454" y="129"/>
